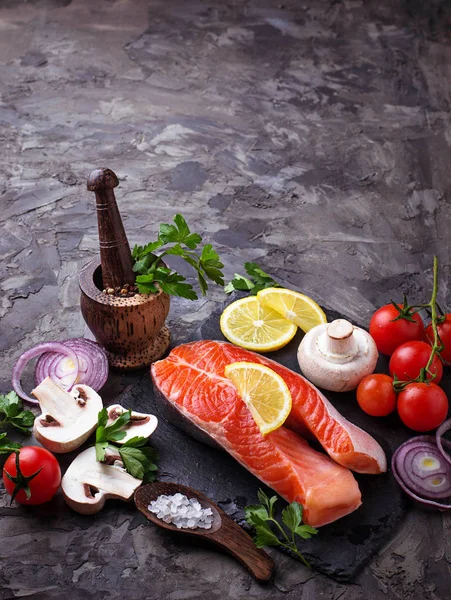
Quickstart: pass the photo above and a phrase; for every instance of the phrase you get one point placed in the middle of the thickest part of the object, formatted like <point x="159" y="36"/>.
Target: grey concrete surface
<point x="312" y="136"/>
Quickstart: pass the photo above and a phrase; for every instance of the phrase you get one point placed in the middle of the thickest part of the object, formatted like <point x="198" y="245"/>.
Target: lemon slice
<point x="249" y="324"/>
<point x="264" y="392"/>
<point x="294" y="306"/>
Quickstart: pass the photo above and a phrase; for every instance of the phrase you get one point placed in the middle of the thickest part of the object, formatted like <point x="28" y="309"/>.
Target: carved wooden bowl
<point x="131" y="330"/>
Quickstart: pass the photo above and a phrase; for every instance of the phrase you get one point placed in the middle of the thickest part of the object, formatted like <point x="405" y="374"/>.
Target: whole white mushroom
<point x="336" y="356"/>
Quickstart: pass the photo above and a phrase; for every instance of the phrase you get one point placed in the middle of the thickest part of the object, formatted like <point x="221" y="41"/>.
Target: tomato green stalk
<point x="437" y="345"/>
<point x="21" y="482"/>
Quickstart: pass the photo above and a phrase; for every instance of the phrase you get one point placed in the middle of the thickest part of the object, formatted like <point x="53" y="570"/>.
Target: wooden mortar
<point x="131" y="329"/>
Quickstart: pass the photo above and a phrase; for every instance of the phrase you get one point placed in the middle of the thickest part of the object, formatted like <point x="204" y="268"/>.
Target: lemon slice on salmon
<point x="250" y="324"/>
<point x="296" y="307"/>
<point x="263" y="391"/>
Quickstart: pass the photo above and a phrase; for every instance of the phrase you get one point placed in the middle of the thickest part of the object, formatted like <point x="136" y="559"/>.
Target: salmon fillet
<point x="346" y="443"/>
<point x="192" y="380"/>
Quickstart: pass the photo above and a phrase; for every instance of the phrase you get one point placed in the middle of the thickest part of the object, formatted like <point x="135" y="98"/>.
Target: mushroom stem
<point x="338" y="341"/>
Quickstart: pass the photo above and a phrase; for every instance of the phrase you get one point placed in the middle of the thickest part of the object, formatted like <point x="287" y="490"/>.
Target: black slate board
<point x="342" y="548"/>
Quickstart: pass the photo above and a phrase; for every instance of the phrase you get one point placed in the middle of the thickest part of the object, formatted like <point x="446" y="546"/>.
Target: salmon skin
<point x="191" y="380"/>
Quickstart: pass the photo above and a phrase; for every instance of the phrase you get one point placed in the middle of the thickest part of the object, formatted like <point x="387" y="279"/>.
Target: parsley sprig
<point x="7" y="446"/>
<point x="138" y="458"/>
<point x="151" y="270"/>
<point x="261" y="517"/>
<point x="12" y="413"/>
<point x="257" y="280"/>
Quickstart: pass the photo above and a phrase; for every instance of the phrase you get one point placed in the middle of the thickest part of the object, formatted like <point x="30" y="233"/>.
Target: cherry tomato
<point x="376" y="396"/>
<point x="408" y="360"/>
<point x="44" y="485"/>
<point x="422" y="406"/>
<point x="389" y="334"/>
<point x="444" y="331"/>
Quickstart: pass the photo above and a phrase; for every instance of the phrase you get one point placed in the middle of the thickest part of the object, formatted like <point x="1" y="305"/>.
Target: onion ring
<point x="417" y="480"/>
<point x="25" y="358"/>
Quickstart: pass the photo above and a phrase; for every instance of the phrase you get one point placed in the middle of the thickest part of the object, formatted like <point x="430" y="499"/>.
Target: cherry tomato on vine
<point x="376" y="396"/>
<point x="389" y="333"/>
<point x="444" y="331"/>
<point x="422" y="406"/>
<point x="408" y="360"/>
<point x="39" y="472"/>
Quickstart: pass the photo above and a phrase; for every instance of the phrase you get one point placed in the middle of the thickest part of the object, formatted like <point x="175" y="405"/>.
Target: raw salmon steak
<point x="191" y="379"/>
<point x="346" y="443"/>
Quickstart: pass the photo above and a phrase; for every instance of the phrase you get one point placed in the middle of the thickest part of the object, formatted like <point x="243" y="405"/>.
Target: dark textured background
<point x="313" y="137"/>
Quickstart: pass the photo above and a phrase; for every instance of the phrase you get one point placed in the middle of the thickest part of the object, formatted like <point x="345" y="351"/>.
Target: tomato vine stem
<point x="437" y="345"/>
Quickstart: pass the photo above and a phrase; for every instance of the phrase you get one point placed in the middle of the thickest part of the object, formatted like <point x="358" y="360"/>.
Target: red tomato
<point x="376" y="396"/>
<point x="389" y="334"/>
<point x="407" y="361"/>
<point x="422" y="406"/>
<point x="42" y="487"/>
<point x="444" y="331"/>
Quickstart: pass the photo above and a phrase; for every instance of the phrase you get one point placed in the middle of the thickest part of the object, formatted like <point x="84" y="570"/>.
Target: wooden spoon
<point x="224" y="532"/>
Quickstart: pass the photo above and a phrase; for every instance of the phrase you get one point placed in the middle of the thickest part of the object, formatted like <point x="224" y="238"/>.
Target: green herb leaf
<point x="109" y="433"/>
<point x="136" y="442"/>
<point x="146" y="284"/>
<point x="7" y="446"/>
<point x="292" y="515"/>
<point x="261" y="517"/>
<point x="139" y="459"/>
<point x="268" y="502"/>
<point x="11" y="413"/>
<point x="138" y="462"/>
<point x="258" y="280"/>
<point x="102" y="418"/>
<point x="100" y="450"/>
<point x="140" y="252"/>
<point x="142" y="265"/>
<point x="207" y="265"/>
<point x="305" y="531"/>
<point x="211" y="264"/>
<point x="116" y="436"/>
<point x="239" y="282"/>
<point x="174" y="284"/>
<point x="265" y="537"/>
<point x="179" y="232"/>
<point x="255" y="510"/>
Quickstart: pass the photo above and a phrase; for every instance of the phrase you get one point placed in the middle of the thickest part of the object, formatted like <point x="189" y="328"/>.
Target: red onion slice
<point x="92" y="365"/>
<point x="33" y="353"/>
<point x="444" y="427"/>
<point x="423" y="481"/>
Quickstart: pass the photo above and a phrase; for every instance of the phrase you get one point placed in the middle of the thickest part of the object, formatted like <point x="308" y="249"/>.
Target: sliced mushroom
<point x="140" y="424"/>
<point x="87" y="483"/>
<point x="68" y="418"/>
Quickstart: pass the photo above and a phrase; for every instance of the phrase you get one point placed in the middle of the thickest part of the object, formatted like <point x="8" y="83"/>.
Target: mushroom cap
<point x="87" y="483"/>
<point x="336" y="356"/>
<point x="68" y="418"/>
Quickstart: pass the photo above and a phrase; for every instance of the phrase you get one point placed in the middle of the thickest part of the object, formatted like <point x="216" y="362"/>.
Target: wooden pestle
<point x="115" y="256"/>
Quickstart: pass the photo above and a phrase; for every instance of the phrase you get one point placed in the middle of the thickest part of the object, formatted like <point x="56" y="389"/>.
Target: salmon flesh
<point x="191" y="380"/>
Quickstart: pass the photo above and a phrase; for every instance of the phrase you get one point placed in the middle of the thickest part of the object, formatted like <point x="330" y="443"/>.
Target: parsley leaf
<point x="152" y="275"/>
<point x="109" y="433"/>
<point x="261" y="518"/>
<point x="257" y="280"/>
<point x="7" y="446"/>
<point x="139" y="460"/>
<point x="11" y="413"/>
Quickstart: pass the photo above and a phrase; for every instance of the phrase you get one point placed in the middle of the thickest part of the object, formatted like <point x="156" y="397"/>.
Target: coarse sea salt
<point x="183" y="512"/>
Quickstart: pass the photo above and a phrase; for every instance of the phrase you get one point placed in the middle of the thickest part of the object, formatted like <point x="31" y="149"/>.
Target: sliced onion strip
<point x="33" y="353"/>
